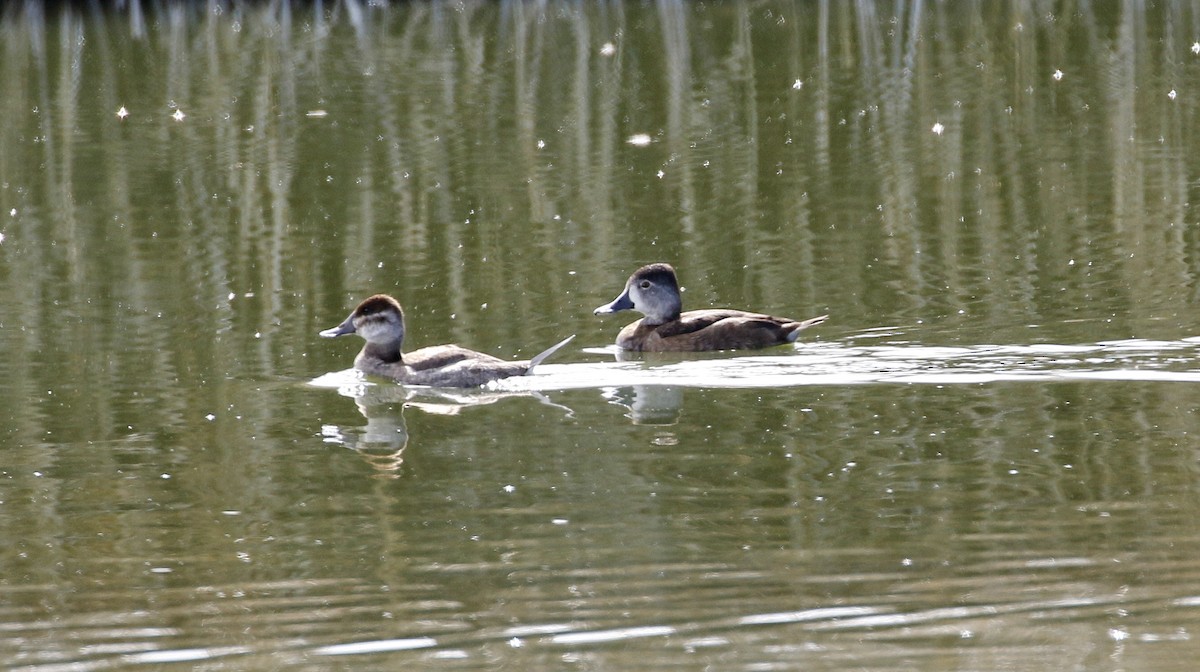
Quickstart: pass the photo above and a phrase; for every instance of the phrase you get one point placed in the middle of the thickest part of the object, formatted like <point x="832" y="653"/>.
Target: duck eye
<point x="645" y="284"/>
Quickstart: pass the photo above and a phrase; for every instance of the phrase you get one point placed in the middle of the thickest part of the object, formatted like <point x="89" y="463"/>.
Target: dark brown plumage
<point x="654" y="291"/>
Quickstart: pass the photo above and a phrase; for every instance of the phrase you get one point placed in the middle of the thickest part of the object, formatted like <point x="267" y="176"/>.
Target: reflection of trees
<point x="429" y="161"/>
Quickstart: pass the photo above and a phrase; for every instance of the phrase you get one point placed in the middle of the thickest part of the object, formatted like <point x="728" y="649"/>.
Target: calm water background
<point x="989" y="458"/>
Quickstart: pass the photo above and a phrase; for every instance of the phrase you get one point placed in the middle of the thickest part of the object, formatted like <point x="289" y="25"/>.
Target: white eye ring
<point x="645" y="284"/>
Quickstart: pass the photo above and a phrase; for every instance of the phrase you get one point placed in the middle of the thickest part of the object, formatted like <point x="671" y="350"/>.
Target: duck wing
<point x="442" y="356"/>
<point x="455" y="366"/>
<point x="724" y="329"/>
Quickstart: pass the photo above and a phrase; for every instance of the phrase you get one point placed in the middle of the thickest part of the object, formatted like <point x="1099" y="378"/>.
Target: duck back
<point x="704" y="330"/>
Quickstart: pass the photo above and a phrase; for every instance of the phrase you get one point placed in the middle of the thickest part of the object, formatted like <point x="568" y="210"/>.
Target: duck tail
<point x="547" y="352"/>
<point x="810" y="322"/>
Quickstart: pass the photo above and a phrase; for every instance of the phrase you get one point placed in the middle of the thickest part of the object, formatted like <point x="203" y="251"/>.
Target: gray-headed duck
<point x="654" y="291"/>
<point x="380" y="321"/>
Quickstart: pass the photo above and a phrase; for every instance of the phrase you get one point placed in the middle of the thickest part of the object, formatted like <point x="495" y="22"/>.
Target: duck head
<point x="653" y="291"/>
<point x="380" y="321"/>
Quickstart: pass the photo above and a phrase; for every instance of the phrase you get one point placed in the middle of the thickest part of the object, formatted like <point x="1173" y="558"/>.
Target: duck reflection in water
<point x="382" y="441"/>
<point x="380" y="321"/>
<point x="653" y="290"/>
<point x="648" y="404"/>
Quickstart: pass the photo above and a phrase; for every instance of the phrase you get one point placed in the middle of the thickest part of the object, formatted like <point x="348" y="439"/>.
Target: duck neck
<point x="661" y="318"/>
<point x="388" y="353"/>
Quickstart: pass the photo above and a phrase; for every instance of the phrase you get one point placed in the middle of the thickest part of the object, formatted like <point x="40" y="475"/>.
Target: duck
<point x="653" y="290"/>
<point x="379" y="320"/>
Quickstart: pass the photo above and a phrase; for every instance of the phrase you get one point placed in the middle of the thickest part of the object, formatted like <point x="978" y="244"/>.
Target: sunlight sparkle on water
<point x="174" y="656"/>
<point x="613" y="635"/>
<point x="639" y="139"/>
<point x="378" y="646"/>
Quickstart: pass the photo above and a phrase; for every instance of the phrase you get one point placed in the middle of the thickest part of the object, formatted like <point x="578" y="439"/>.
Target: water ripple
<point x="844" y="364"/>
<point x="834" y="364"/>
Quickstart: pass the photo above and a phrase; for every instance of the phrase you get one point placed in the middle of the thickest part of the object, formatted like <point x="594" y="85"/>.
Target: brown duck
<point x="654" y="291"/>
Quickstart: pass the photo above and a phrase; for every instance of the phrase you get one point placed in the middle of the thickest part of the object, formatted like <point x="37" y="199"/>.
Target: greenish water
<point x="988" y="458"/>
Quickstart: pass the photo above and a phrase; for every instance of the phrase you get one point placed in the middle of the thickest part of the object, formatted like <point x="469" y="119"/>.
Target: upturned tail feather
<point x="812" y="321"/>
<point x="547" y="352"/>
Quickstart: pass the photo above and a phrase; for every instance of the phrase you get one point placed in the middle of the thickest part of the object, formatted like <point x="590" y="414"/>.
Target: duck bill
<point x="342" y="329"/>
<point x="622" y="302"/>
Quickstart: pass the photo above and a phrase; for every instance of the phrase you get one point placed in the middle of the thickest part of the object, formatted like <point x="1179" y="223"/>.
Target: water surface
<point x="986" y="459"/>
